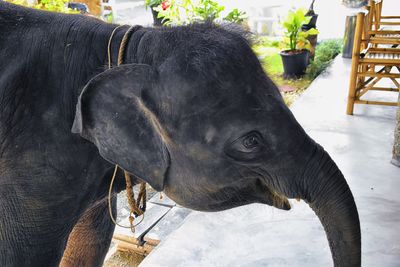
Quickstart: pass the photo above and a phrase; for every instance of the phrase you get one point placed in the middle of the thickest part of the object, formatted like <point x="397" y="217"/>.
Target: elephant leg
<point x="90" y="238"/>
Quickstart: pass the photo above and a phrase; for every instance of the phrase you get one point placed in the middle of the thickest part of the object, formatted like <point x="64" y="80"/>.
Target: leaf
<point x="303" y="34"/>
<point x="312" y="31"/>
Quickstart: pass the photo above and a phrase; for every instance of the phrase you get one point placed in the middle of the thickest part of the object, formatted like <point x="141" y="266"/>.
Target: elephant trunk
<point x="330" y="197"/>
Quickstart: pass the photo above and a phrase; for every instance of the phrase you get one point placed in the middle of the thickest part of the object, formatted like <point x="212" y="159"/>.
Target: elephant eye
<point x="247" y="148"/>
<point x="248" y="143"/>
<point x="251" y="141"/>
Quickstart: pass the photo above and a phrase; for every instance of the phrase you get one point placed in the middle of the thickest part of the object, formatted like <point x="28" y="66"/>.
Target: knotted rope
<point x="137" y="206"/>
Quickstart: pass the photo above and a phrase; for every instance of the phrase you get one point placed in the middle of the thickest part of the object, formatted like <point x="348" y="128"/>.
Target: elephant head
<point x="198" y="118"/>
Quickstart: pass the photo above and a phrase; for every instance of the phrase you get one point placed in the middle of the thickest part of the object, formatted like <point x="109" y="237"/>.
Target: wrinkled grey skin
<point x="191" y="112"/>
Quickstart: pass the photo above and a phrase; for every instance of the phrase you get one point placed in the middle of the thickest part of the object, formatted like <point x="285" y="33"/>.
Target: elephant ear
<point x="111" y="114"/>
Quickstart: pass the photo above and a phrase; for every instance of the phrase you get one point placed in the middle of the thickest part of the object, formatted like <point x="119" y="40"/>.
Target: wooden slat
<point x="387" y="89"/>
<point x="143" y="250"/>
<point x="383" y="32"/>
<point x="363" y="91"/>
<point x="128" y="239"/>
<point x="132" y="244"/>
<point x="377" y="40"/>
<point x="384" y="50"/>
<point x="389" y="23"/>
<point x="380" y="61"/>
<point x="152" y="242"/>
<point x="390" y="17"/>
<point x="383" y="75"/>
<point x="382" y="103"/>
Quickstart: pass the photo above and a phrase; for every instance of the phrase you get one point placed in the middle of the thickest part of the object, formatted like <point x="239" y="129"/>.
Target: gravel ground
<point x="124" y="259"/>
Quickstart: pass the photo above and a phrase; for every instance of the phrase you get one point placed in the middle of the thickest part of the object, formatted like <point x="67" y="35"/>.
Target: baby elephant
<point x="190" y="111"/>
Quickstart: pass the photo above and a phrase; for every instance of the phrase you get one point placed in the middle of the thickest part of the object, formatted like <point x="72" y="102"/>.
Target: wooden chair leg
<point x="354" y="64"/>
<point x="352" y="90"/>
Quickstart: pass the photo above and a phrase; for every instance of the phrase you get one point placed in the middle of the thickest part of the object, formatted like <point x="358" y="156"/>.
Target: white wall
<point x="332" y="13"/>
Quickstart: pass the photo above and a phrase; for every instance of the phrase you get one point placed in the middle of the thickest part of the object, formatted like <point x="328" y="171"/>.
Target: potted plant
<point x="295" y="59"/>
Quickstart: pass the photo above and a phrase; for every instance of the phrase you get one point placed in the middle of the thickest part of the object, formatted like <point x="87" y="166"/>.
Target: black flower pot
<point x="312" y="23"/>
<point x="294" y="63"/>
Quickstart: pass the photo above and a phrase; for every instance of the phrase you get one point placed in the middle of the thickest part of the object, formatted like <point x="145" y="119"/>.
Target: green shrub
<point x="267" y="50"/>
<point x="325" y="52"/>
<point x="265" y="41"/>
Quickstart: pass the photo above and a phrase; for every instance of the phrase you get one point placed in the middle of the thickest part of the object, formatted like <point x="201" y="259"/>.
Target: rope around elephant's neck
<point x="138" y="206"/>
<point x="121" y="50"/>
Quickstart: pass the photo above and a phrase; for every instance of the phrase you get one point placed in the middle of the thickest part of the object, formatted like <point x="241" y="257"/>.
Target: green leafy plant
<point x="295" y="38"/>
<point x="49" y="5"/>
<point x="152" y="3"/>
<point x="236" y="16"/>
<point x="174" y="11"/>
<point x="208" y="10"/>
<point x="18" y="2"/>
<point x="179" y="12"/>
<point x="55" y="6"/>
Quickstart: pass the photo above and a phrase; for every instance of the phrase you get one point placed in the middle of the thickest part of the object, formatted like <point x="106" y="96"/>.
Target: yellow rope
<point x="135" y="209"/>
<point x="131" y="218"/>
<point x="125" y="39"/>
<point x="109" y="45"/>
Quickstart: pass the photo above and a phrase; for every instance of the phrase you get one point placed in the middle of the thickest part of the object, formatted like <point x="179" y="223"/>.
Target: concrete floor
<point x="258" y="235"/>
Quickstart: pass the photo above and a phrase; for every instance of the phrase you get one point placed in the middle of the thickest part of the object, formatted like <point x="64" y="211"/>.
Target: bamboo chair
<point x="375" y="29"/>
<point x="378" y="19"/>
<point x="371" y="63"/>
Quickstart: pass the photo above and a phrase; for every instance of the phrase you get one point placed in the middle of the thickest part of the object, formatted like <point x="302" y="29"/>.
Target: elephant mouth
<point x="277" y="200"/>
<point x="256" y="191"/>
